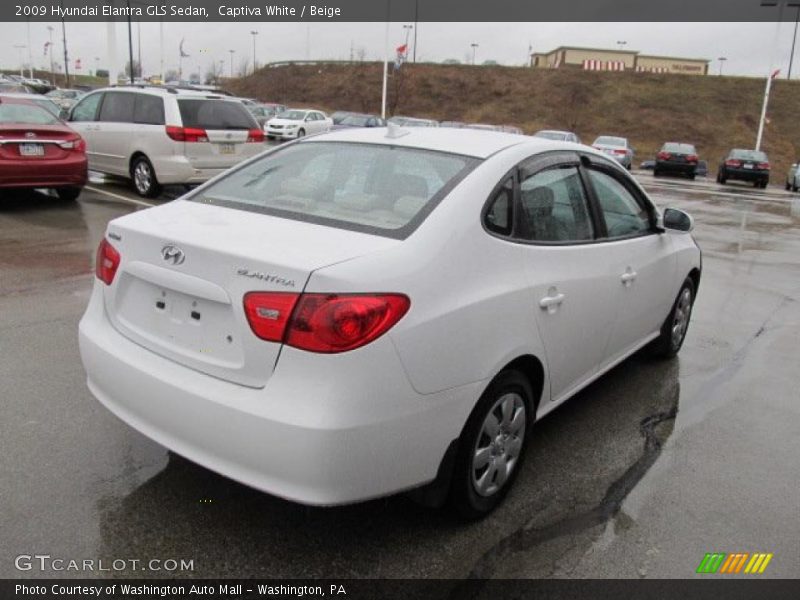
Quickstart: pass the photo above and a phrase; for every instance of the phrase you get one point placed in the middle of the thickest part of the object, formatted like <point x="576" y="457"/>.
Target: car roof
<point x="553" y="131"/>
<point x="470" y="142"/>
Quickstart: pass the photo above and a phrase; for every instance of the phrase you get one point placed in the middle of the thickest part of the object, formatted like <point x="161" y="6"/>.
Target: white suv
<point x="156" y="135"/>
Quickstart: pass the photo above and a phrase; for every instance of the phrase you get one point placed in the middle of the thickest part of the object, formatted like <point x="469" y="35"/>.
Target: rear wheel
<point x="674" y="329"/>
<point x="491" y="446"/>
<point x="69" y="194"/>
<point x="144" y="178"/>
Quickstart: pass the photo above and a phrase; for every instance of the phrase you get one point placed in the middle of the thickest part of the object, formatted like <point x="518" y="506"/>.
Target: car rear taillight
<point x="326" y="323"/>
<point x="732" y="162"/>
<point x="186" y="134"/>
<point x="255" y="135"/>
<point x="107" y="262"/>
<point x="620" y="151"/>
<point x="663" y="156"/>
<point x="268" y="313"/>
<point x="692" y="158"/>
<point x="78" y="145"/>
<point x="763" y="166"/>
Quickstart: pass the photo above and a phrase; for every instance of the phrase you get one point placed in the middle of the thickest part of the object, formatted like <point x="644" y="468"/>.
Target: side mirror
<point x="676" y="220"/>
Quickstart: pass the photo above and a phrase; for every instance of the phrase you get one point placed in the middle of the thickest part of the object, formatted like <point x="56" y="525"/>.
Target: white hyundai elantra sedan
<point x="376" y="310"/>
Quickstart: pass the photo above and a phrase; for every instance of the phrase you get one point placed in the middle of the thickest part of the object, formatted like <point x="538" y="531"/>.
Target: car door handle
<point x="552" y="301"/>
<point x="628" y="276"/>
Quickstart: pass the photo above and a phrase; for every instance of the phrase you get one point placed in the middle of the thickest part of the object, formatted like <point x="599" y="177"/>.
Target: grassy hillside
<point x="714" y="113"/>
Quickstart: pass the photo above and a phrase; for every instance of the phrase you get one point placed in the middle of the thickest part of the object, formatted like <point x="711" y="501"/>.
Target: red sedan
<point x="39" y="151"/>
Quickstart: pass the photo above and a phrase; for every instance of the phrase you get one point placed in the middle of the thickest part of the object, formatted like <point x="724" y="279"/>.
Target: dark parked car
<point x="745" y="165"/>
<point x="676" y="159"/>
<point x="702" y="168"/>
<point x="339" y="115"/>
<point x="354" y="120"/>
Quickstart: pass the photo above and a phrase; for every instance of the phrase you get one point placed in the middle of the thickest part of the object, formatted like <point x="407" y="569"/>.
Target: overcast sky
<point x="747" y="46"/>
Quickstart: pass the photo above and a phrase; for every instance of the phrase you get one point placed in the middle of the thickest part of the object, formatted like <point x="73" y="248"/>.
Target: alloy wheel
<point x="497" y="449"/>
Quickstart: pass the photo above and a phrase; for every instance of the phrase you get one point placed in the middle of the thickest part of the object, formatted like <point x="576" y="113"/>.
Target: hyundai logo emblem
<point x="30" y="134"/>
<point x="173" y="254"/>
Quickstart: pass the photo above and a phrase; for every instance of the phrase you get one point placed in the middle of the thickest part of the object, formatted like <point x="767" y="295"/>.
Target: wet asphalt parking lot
<point x="639" y="475"/>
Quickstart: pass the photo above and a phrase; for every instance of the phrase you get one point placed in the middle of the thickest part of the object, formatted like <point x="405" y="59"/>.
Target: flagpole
<point x="386" y="60"/>
<point x="768" y="86"/>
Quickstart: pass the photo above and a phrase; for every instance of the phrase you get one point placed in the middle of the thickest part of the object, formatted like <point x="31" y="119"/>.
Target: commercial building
<point x="602" y="59"/>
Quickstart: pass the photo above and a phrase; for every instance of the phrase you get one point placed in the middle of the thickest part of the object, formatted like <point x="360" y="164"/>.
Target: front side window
<point x="553" y="207"/>
<point x="624" y="216"/>
<point x="117" y="107"/>
<point x="86" y="109"/>
<point x="366" y="187"/>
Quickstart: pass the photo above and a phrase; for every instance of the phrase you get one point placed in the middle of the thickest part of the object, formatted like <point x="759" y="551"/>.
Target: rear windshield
<point x="25" y="113"/>
<point x="679" y="148"/>
<point x="355" y="120"/>
<point x="749" y="155"/>
<point x="372" y="188"/>
<point x="215" y="114"/>
<point x="611" y="141"/>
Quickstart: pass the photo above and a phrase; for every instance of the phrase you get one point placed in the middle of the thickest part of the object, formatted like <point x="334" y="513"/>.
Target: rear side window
<point x="372" y="188"/>
<point x="623" y="215"/>
<point x="499" y="217"/>
<point x="148" y="110"/>
<point x="117" y="107"/>
<point x="215" y="114"/>
<point x="554" y="208"/>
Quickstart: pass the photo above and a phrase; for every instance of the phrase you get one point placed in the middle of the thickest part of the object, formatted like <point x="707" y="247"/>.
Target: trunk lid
<point x="189" y="309"/>
<point x="34" y="142"/>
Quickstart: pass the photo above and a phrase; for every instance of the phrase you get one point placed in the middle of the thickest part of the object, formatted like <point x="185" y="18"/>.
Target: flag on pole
<point x="401" y="56"/>
<point x="775" y="73"/>
<point x="183" y="54"/>
<point x="77" y="64"/>
<point x="46" y="46"/>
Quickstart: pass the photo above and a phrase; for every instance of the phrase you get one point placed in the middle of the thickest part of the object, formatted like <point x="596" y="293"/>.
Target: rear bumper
<point x="324" y="430"/>
<point x="70" y="172"/>
<point x="679" y="168"/>
<point x="746" y="174"/>
<point x="177" y="169"/>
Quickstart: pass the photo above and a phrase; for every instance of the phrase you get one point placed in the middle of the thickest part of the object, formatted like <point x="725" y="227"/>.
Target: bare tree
<point x="244" y="67"/>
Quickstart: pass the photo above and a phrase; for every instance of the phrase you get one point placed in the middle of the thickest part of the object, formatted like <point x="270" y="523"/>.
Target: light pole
<point x="721" y="60"/>
<point x="474" y="48"/>
<point x="794" y="41"/>
<point x="416" y="27"/>
<point x="30" y="56"/>
<point x="21" y="47"/>
<point x="96" y="64"/>
<point x="254" y="34"/>
<point x="50" y="52"/>
<point x="232" y="52"/>
<point x="64" y="39"/>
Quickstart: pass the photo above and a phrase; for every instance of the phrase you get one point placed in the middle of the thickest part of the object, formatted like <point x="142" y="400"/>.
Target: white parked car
<point x="374" y="310"/>
<point x="155" y="135"/>
<point x="617" y="148"/>
<point x="297" y="122"/>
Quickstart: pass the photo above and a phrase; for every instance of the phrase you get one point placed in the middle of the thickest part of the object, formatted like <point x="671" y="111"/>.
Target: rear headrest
<point x="408" y="206"/>
<point x="539" y="199"/>
<point x="296" y="186"/>
<point x="363" y="202"/>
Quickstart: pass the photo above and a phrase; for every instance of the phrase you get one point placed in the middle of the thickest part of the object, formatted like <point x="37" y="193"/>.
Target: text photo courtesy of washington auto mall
<point x="400" y="299"/>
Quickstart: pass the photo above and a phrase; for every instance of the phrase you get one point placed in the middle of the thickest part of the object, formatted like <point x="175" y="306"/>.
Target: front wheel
<point x="69" y="194"/>
<point x="301" y="133"/>
<point x="674" y="329"/>
<point x="491" y="446"/>
<point x="144" y="178"/>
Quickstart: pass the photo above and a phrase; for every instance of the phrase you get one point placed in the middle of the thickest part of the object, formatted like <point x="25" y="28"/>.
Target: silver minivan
<point x="156" y="136"/>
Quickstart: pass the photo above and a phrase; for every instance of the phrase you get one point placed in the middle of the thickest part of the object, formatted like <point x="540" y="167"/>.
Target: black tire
<point x="301" y="133"/>
<point x="144" y="179"/>
<point x="69" y="194"/>
<point x="667" y="345"/>
<point x="722" y="179"/>
<point x="656" y="173"/>
<point x="464" y="496"/>
<point x="692" y="176"/>
<point x="794" y="188"/>
<point x="788" y="186"/>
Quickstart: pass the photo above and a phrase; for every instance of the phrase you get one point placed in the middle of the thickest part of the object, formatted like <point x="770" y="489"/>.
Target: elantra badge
<point x="173" y="255"/>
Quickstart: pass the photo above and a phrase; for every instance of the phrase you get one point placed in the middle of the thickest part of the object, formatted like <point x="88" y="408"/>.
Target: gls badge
<point x="173" y="255"/>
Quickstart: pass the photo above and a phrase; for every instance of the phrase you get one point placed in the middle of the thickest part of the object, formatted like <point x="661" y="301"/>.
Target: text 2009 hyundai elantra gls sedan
<point x="371" y="311"/>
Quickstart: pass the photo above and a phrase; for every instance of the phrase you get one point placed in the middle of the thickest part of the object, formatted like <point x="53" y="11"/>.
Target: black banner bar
<point x="733" y="588"/>
<point x="401" y="10"/>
